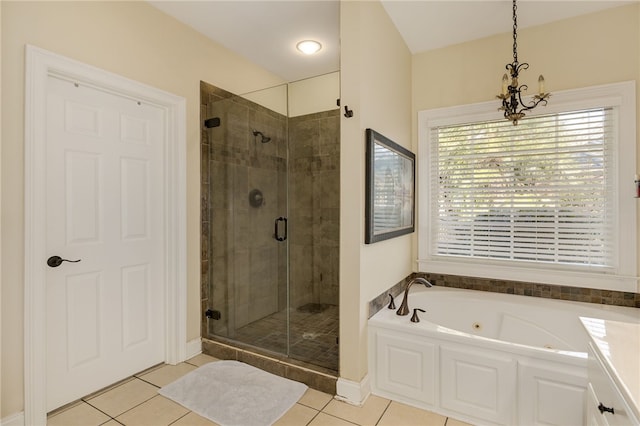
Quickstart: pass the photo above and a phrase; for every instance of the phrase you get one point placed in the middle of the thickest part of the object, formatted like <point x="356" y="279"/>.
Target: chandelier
<point x="511" y="96"/>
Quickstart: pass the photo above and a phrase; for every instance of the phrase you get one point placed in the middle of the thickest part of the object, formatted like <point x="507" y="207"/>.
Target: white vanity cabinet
<point x="613" y="393"/>
<point x="605" y="403"/>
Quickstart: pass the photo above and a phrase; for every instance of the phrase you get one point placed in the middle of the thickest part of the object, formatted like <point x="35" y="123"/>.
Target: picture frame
<point x="390" y="189"/>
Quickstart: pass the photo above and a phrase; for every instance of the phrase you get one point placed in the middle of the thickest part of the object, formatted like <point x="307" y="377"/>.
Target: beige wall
<point x="314" y="94"/>
<point x="132" y="39"/>
<point x="1" y="383"/>
<point x="584" y="51"/>
<point x="376" y="84"/>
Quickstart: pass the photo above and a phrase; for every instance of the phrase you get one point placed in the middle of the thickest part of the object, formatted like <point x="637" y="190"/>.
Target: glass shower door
<point x="249" y="247"/>
<point x="314" y="213"/>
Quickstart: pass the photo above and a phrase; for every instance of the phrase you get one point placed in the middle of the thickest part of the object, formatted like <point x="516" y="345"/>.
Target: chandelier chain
<point x="515" y="33"/>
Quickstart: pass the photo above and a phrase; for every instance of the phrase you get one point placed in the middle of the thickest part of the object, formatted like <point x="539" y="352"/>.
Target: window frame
<point x="620" y="96"/>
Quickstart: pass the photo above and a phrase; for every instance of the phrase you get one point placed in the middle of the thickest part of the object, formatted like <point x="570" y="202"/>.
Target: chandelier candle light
<point x="511" y="96"/>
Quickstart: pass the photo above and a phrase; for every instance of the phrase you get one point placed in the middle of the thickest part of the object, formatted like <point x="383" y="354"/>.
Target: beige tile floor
<point x="136" y="402"/>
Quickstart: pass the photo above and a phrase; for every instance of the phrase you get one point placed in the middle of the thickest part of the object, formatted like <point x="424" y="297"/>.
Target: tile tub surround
<point x="575" y="294"/>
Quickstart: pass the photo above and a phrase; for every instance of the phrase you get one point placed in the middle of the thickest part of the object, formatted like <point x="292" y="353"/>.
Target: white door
<point x="104" y="171"/>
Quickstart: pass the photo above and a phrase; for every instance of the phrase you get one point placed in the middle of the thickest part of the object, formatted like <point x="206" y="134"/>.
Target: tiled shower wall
<point x="237" y="244"/>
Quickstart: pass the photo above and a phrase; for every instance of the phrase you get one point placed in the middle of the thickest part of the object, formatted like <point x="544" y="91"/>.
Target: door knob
<point x="55" y="261"/>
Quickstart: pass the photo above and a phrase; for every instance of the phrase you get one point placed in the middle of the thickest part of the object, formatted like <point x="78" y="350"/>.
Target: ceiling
<point x="266" y="31"/>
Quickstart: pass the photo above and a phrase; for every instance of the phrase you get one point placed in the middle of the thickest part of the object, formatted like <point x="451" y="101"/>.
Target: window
<point x="549" y="200"/>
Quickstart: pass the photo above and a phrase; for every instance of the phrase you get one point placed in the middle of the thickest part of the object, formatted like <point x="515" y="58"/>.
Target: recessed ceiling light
<point x="308" y="47"/>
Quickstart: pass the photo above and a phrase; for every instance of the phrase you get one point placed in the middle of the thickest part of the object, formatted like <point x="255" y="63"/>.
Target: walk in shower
<point x="270" y="193"/>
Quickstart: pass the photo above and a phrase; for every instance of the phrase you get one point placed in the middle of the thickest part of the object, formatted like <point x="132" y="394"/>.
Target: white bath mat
<point x="232" y="393"/>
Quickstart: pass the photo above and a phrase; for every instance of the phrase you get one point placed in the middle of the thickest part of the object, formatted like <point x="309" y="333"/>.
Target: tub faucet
<point x="404" y="307"/>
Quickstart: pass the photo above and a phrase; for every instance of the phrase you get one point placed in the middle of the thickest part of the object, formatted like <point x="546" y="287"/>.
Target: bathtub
<point x="487" y="358"/>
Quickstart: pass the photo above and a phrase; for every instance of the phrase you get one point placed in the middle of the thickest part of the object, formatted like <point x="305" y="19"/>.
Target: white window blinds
<point x="541" y="191"/>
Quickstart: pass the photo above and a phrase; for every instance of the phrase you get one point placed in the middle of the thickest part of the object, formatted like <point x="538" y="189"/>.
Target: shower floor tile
<point x="313" y="334"/>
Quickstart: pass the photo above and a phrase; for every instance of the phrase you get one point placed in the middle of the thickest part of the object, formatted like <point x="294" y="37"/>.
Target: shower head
<point x="263" y="138"/>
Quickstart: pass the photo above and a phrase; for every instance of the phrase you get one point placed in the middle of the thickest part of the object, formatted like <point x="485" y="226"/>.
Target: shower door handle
<point x="276" y="233"/>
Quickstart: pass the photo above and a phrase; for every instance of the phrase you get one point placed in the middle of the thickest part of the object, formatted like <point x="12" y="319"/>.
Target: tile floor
<point x="136" y="402"/>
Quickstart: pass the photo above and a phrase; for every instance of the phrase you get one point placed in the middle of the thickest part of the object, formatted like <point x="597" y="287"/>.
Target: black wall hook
<point x="348" y="112"/>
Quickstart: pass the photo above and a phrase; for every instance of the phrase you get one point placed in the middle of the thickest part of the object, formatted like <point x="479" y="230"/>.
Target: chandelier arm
<point x="522" y="66"/>
<point x="533" y="103"/>
<point x="525" y="107"/>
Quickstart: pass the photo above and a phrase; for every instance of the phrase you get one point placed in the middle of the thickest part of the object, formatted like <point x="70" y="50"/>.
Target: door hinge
<point x="211" y="314"/>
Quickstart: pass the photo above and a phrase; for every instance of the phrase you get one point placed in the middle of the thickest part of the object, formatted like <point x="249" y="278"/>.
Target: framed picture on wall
<point x="390" y="189"/>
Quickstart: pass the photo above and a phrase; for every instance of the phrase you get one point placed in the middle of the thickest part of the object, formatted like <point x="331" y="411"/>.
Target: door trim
<point x="40" y="65"/>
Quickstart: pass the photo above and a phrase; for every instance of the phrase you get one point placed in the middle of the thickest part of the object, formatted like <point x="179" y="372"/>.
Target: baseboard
<point x="13" y="420"/>
<point x="354" y="393"/>
<point x="194" y="347"/>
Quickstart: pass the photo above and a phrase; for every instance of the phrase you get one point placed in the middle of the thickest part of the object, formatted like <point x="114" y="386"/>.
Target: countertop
<point x="618" y="345"/>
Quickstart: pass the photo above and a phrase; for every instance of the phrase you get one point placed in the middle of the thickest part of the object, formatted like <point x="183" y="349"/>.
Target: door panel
<point x="136" y="316"/>
<point x="134" y="211"/>
<point x="105" y="316"/>
<point x="83" y="318"/>
<point x="83" y="195"/>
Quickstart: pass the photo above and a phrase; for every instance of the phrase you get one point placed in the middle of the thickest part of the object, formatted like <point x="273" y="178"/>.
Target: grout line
<point x="108" y="415"/>
<point x="111" y="419"/>
<point x="314" y="408"/>
<point x="336" y="417"/>
<point x="148" y="382"/>
<point x="189" y="412"/>
<point x="313" y="418"/>
<point x="126" y="411"/>
<point x="85" y="399"/>
<point x="384" y="411"/>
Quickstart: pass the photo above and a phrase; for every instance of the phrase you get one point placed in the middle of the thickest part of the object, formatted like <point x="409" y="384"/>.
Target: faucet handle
<point x="414" y="317"/>
<point x="391" y="304"/>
